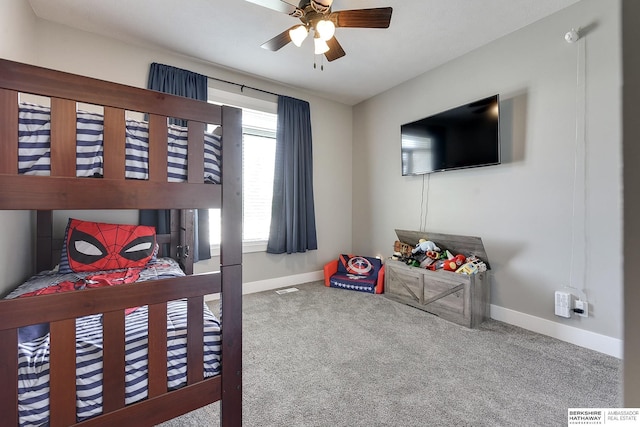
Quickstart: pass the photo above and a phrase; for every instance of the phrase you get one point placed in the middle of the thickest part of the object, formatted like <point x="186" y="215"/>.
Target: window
<point x="258" y="159"/>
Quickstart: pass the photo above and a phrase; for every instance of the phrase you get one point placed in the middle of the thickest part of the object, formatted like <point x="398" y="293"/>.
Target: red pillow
<point x="97" y="246"/>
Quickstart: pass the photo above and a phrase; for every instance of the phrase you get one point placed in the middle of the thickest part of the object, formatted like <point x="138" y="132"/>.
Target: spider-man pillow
<point x="97" y="246"/>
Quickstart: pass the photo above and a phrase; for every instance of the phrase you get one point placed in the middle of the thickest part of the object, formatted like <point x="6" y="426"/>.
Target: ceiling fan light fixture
<point x="325" y="29"/>
<point x="320" y="46"/>
<point x="298" y="34"/>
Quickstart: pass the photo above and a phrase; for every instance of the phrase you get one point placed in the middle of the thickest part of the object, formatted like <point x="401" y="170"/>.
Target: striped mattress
<point x="33" y="356"/>
<point x="34" y="152"/>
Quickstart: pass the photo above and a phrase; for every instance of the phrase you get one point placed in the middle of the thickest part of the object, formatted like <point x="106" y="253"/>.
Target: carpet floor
<point x="329" y="357"/>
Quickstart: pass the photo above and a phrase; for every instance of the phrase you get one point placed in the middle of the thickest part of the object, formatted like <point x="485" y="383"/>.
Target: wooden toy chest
<point x="460" y="298"/>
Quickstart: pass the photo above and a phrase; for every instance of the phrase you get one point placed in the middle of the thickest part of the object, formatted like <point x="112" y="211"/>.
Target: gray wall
<point x="17" y="28"/>
<point x="523" y="209"/>
<point x="631" y="155"/>
<point x="55" y="46"/>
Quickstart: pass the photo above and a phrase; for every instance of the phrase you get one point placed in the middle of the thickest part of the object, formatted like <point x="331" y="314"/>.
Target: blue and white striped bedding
<point x="33" y="356"/>
<point x="34" y="154"/>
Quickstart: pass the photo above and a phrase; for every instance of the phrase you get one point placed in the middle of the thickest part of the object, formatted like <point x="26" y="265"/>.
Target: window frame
<point x="220" y="96"/>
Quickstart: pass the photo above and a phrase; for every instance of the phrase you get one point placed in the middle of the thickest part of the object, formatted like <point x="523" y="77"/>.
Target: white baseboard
<point x="271" y="284"/>
<point x="281" y="282"/>
<point x="570" y="334"/>
<point x="591" y="340"/>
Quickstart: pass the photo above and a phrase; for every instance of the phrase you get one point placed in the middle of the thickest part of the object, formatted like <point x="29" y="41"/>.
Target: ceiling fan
<point x="317" y="15"/>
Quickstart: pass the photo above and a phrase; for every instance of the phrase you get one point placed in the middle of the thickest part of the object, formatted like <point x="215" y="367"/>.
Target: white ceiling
<point x="423" y="34"/>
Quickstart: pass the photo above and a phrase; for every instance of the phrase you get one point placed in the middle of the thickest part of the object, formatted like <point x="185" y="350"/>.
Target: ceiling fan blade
<point x="280" y="6"/>
<point x="335" y="50"/>
<point x="379" y="17"/>
<point x="278" y="41"/>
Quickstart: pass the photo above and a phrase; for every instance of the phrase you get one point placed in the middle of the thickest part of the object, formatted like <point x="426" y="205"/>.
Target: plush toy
<point x="454" y="263"/>
<point x="425" y="246"/>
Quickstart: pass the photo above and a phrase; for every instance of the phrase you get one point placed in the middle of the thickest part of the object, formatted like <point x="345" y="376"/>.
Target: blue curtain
<point x="293" y="222"/>
<point x="176" y="81"/>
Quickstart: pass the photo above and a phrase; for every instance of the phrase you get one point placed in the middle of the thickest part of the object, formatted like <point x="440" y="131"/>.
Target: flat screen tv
<point x="463" y="137"/>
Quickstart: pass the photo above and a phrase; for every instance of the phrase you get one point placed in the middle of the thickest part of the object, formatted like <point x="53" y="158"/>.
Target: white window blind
<point x="258" y="159"/>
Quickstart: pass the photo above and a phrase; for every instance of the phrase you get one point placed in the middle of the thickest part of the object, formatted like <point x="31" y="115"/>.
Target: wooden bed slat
<point x="63" y="137"/>
<point x="157" y="349"/>
<point x="28" y="311"/>
<point x="195" y="340"/>
<point x="195" y="152"/>
<point x="9" y="375"/>
<point x="155" y="410"/>
<point x="62" y="379"/>
<point x="43" y="81"/>
<point x="113" y="360"/>
<point x="9" y="131"/>
<point x="114" y="143"/>
<point x="43" y="192"/>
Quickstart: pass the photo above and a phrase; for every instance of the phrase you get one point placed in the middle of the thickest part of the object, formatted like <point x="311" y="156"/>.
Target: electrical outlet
<point x="582" y="305"/>
<point x="563" y="304"/>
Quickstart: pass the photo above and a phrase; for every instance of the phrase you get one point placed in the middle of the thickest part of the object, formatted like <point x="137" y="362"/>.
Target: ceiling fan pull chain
<point x="321" y="63"/>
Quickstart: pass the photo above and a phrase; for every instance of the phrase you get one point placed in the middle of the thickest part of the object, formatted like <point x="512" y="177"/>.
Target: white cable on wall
<point x="424" y="203"/>
<point x="579" y="222"/>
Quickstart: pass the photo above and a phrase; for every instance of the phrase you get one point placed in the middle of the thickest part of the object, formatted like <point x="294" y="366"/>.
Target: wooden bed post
<point x="44" y="243"/>
<point x="231" y="267"/>
<point x="187" y="239"/>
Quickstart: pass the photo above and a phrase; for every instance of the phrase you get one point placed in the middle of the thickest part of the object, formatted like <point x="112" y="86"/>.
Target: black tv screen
<point x="462" y="137"/>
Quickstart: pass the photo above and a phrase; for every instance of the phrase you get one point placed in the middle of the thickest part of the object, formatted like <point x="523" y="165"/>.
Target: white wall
<point x="17" y="24"/>
<point x="62" y="48"/>
<point x="522" y="209"/>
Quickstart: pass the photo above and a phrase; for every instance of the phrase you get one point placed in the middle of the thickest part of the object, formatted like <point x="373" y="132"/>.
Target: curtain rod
<point x="242" y="87"/>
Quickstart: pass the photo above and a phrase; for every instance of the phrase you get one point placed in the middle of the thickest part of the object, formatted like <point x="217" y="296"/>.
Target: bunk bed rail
<point x="62" y="190"/>
<point x="62" y="311"/>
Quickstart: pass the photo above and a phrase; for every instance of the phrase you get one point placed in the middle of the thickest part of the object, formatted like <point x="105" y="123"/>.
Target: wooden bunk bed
<point x="62" y="190"/>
